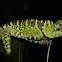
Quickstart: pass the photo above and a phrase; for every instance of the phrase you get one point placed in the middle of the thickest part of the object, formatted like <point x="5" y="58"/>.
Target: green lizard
<point x="31" y="30"/>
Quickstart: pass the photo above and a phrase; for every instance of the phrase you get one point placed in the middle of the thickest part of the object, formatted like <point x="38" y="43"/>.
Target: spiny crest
<point x="27" y="22"/>
<point x="48" y="23"/>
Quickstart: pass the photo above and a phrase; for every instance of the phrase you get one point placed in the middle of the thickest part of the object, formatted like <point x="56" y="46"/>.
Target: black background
<point x="34" y="9"/>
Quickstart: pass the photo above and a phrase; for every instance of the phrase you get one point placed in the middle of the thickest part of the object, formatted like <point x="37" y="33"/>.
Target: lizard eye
<point x="57" y="29"/>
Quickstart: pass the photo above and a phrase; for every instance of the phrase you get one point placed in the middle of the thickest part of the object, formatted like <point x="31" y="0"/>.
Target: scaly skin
<point x="32" y="30"/>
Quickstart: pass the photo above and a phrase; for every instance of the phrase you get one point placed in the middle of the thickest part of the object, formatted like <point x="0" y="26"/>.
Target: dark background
<point x="33" y="9"/>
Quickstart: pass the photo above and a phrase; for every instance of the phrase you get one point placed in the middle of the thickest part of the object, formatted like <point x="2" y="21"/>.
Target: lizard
<point x="30" y="30"/>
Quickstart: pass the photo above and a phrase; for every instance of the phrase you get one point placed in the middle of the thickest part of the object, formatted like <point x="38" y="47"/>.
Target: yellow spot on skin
<point x="45" y="23"/>
<point x="11" y="23"/>
<point x="8" y="46"/>
<point x="26" y="23"/>
<point x="17" y="33"/>
<point x="4" y="26"/>
<point x="3" y="42"/>
<point x="41" y="21"/>
<point x="36" y="22"/>
<point x="51" y="22"/>
<point x="8" y="51"/>
<point x="17" y="22"/>
<point x="21" y="34"/>
<point x="48" y="22"/>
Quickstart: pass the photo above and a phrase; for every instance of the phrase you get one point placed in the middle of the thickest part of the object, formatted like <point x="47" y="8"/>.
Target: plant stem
<point x="48" y="53"/>
<point x="21" y="48"/>
<point x="19" y="52"/>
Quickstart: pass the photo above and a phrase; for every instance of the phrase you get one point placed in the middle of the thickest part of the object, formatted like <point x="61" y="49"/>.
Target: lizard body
<point x="32" y="30"/>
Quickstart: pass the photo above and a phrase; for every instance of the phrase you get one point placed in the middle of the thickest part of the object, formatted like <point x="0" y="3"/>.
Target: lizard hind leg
<point x="6" y="41"/>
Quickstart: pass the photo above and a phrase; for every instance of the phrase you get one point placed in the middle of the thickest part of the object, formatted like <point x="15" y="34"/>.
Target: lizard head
<point x="52" y="30"/>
